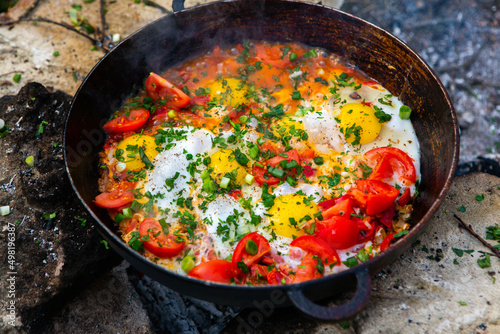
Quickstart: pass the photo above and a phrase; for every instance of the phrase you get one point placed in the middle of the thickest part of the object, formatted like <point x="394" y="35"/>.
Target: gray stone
<point x="49" y="256"/>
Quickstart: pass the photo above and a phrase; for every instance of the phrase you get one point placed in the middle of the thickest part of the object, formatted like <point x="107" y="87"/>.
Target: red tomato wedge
<point x="405" y="198"/>
<point x="342" y="207"/>
<point x="114" y="199"/>
<point x="386" y="242"/>
<point x="213" y="270"/>
<point x="316" y="246"/>
<point x="276" y="276"/>
<point x="261" y="175"/>
<point x="133" y="122"/>
<point x="155" y="241"/>
<point x="339" y="232"/>
<point x="158" y="87"/>
<point x="383" y="170"/>
<point x="272" y="54"/>
<point x="374" y="196"/>
<point x="307" y="270"/>
<point x="399" y="160"/>
<point x="240" y="254"/>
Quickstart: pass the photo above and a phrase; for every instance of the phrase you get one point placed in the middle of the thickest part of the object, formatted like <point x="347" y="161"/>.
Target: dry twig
<point x="41" y="19"/>
<point x="496" y="252"/>
<point x="103" y="21"/>
<point x="155" y="5"/>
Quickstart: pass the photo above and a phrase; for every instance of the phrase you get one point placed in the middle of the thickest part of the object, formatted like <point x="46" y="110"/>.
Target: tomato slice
<point x="405" y="198"/>
<point x="272" y="54"/>
<point x="114" y="199"/>
<point x="213" y="270"/>
<point x="374" y="196"/>
<point x="386" y="242"/>
<point x="240" y="254"/>
<point x="339" y="232"/>
<point x="316" y="246"/>
<point x="365" y="233"/>
<point x="387" y="216"/>
<point x="342" y="207"/>
<point x="159" y="244"/>
<point x="307" y="270"/>
<point x="136" y="119"/>
<point x="261" y="175"/>
<point x="158" y="87"/>
<point x="276" y="276"/>
<point x="399" y="160"/>
<point x="290" y="155"/>
<point x="383" y="170"/>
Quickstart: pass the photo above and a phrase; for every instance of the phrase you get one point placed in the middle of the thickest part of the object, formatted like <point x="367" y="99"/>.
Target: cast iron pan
<point x="187" y="33"/>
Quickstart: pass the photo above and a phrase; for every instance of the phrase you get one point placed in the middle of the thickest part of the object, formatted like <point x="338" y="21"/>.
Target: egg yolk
<point x="130" y="149"/>
<point x="287" y="213"/>
<point x="287" y="126"/>
<point x="223" y="162"/>
<point x="229" y="91"/>
<point x="359" y="123"/>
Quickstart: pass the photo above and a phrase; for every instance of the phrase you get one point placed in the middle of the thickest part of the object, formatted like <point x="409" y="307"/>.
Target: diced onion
<point x="120" y="167"/>
<point x="116" y="38"/>
<point x="224" y="182"/>
<point x="2" y="123"/>
<point x="249" y="178"/>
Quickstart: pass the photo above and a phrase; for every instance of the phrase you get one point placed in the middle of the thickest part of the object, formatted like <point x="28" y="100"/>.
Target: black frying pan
<point x="186" y="33"/>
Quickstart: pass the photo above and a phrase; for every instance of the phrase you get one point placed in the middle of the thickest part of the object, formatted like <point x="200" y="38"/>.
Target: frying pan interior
<point x="185" y="34"/>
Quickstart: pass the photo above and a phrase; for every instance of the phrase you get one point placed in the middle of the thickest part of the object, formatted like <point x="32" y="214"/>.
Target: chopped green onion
<point x="187" y="263"/>
<point x="135" y="206"/>
<point x="249" y="178"/>
<point x="243" y="119"/>
<point x="119" y="217"/>
<point x="291" y="181"/>
<point x="2" y="124"/>
<point x="240" y="157"/>
<point x="291" y="164"/>
<point x="404" y="112"/>
<point x="205" y="174"/>
<point x="56" y="54"/>
<point x="209" y="186"/>
<point x="16" y="78"/>
<point x="135" y="242"/>
<point x="127" y="212"/>
<point x="207" y="161"/>
<point x="4" y="210"/>
<point x="318" y="161"/>
<point x="251" y="247"/>
<point x="261" y="140"/>
<point x="224" y="182"/>
<point x="279" y="173"/>
<point x="254" y="152"/>
<point x="172" y="113"/>
<point x="293" y="56"/>
<point x="30" y="161"/>
<point x="296" y="95"/>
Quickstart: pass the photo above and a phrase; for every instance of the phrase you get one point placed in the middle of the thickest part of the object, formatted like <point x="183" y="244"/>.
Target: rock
<point x="54" y="247"/>
<point x="432" y="288"/>
<point x="109" y="305"/>
<point x="172" y="312"/>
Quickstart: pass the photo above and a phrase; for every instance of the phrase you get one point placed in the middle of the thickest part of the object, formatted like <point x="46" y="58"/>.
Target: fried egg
<point x="209" y="172"/>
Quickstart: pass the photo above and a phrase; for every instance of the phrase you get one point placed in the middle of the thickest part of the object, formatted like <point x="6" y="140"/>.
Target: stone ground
<point x="422" y="292"/>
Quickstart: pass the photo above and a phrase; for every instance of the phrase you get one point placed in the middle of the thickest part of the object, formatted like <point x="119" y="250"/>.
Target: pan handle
<point x="177" y="5"/>
<point x="363" y="290"/>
